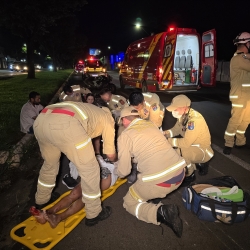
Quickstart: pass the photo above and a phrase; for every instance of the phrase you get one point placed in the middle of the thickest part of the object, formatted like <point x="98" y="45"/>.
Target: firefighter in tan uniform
<point x="148" y="106"/>
<point x="73" y="93"/>
<point x="161" y="170"/>
<point x="115" y="103"/>
<point x="195" y="144"/>
<point x="68" y="127"/>
<point x="239" y="94"/>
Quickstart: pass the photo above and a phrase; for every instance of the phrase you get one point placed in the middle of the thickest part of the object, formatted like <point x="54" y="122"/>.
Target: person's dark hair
<point x="33" y="94"/>
<point x="136" y="98"/>
<point x="104" y="91"/>
<point x="89" y="94"/>
<point x="67" y="88"/>
<point x="100" y="102"/>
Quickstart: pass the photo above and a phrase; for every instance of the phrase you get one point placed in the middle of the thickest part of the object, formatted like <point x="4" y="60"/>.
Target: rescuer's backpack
<point x="218" y="199"/>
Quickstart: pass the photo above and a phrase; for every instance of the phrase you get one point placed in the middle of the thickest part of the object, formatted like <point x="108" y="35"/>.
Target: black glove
<point x="202" y="168"/>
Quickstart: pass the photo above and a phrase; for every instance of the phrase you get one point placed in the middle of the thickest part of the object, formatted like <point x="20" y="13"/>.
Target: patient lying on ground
<point x="73" y="202"/>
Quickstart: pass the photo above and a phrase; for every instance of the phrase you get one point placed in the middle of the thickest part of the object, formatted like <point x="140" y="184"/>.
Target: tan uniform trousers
<point x="194" y="155"/>
<point x="58" y="133"/>
<point x="135" y="201"/>
<point x="237" y="125"/>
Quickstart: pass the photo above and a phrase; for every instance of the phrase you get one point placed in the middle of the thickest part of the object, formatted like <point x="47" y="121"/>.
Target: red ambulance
<point x="176" y="60"/>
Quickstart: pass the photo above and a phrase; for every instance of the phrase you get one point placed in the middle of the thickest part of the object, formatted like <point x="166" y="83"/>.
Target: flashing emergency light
<point x="80" y="61"/>
<point x="171" y="28"/>
<point x="91" y="59"/>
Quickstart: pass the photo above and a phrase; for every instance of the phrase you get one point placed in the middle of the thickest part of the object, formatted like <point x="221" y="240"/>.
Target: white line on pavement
<point x="232" y="157"/>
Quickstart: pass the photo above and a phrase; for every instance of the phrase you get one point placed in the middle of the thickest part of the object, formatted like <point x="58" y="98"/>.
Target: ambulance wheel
<point x="144" y="87"/>
<point x="122" y="85"/>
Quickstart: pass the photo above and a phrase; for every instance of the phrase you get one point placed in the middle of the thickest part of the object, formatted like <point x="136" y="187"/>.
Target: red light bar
<point x="80" y="62"/>
<point x="171" y="28"/>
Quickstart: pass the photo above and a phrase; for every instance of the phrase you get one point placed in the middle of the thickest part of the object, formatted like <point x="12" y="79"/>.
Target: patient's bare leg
<point x="54" y="219"/>
<point x="66" y="201"/>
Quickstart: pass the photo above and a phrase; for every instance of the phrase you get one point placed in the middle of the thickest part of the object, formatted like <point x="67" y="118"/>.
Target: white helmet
<point x="243" y="37"/>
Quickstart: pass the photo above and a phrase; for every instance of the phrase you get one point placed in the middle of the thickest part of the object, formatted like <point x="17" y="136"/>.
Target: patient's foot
<point x="53" y="219"/>
<point x="38" y="214"/>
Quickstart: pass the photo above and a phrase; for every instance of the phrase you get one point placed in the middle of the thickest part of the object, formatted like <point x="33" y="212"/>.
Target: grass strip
<point x="14" y="93"/>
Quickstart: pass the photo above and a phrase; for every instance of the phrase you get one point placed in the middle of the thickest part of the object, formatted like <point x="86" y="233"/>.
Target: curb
<point x="18" y="148"/>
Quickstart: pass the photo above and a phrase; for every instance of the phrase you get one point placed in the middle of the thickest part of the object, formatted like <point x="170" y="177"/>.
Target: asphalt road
<point x="124" y="231"/>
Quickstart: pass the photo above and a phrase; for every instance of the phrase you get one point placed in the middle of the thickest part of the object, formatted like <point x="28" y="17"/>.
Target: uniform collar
<point x="134" y="122"/>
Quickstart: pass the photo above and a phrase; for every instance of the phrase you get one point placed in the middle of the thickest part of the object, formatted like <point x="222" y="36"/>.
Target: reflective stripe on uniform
<point x="83" y="144"/>
<point x="175" y="167"/>
<point x="198" y="146"/>
<point x="65" y="97"/>
<point x="174" y="142"/>
<point x="170" y="132"/>
<point x="77" y="109"/>
<point x="229" y="134"/>
<point x="210" y="154"/>
<point x="233" y="96"/>
<point x="113" y="100"/>
<point x="147" y="104"/>
<point x="137" y="209"/>
<point x="94" y="196"/>
<point x="148" y="95"/>
<point x="240" y="132"/>
<point x="237" y="105"/>
<point x="134" y="194"/>
<point x="246" y="85"/>
<point x="76" y="89"/>
<point x="45" y="185"/>
<point x="189" y="165"/>
<point x="161" y="116"/>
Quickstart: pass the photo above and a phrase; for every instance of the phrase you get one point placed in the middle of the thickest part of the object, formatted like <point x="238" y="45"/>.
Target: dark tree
<point x="30" y="19"/>
<point x="63" y="42"/>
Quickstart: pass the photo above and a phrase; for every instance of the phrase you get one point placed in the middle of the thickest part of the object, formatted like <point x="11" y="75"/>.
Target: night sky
<point x="111" y="23"/>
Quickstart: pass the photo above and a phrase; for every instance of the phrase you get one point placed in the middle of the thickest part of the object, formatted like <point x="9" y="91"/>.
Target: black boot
<point x="169" y="215"/>
<point x="132" y="177"/>
<point x="54" y="197"/>
<point x="202" y="168"/>
<point x="227" y="150"/>
<point x="188" y="180"/>
<point x="155" y="200"/>
<point x="104" y="214"/>
<point x="240" y="146"/>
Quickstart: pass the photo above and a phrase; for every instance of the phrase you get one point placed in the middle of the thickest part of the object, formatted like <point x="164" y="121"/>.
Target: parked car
<point x="37" y="66"/>
<point x="19" y="66"/>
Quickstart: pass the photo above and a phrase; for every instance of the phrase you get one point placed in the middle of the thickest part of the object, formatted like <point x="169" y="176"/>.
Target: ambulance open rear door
<point x="208" y="58"/>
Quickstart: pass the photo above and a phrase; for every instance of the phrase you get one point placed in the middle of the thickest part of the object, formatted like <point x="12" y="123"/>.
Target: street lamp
<point x="138" y="26"/>
<point x="109" y="47"/>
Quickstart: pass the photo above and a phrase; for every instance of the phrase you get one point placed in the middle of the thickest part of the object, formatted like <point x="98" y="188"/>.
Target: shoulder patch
<point x="191" y="125"/>
<point x="154" y="107"/>
<point x="121" y="101"/>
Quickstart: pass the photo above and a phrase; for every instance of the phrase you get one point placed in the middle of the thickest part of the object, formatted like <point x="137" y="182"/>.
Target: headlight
<point x="25" y="68"/>
<point x="50" y="67"/>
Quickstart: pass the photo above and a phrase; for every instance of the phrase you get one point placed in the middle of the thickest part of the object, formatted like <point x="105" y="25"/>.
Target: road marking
<point x="232" y="157"/>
